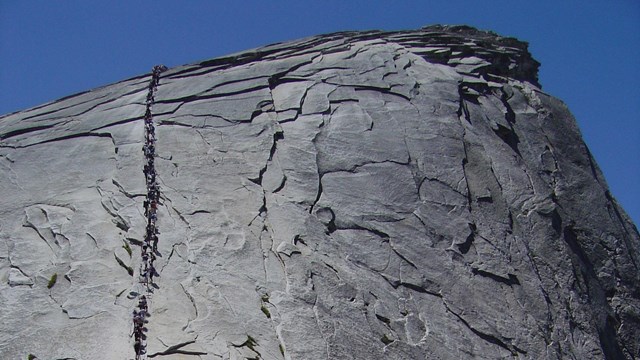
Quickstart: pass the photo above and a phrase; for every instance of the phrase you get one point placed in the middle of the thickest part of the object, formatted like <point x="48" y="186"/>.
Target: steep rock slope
<point x="358" y="195"/>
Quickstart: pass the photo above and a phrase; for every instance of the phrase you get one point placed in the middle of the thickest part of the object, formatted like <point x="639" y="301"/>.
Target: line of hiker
<point x="139" y="330"/>
<point x="149" y="248"/>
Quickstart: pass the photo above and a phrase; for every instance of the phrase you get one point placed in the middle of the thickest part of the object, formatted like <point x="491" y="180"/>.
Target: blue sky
<point x="589" y="50"/>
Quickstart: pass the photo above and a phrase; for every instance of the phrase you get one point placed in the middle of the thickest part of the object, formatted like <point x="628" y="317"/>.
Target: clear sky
<point x="589" y="50"/>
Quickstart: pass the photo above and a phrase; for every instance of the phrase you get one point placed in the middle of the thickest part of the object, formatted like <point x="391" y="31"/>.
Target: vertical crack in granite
<point x="149" y="247"/>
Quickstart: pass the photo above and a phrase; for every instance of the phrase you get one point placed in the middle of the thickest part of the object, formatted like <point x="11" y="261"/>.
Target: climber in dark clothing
<point x="152" y="272"/>
<point x="137" y="347"/>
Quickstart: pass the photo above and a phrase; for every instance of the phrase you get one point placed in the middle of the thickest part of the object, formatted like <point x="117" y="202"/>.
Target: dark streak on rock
<point x="493" y="339"/>
<point x="175" y="349"/>
<point x="509" y="136"/>
<point x="509" y="281"/>
<point x="25" y="131"/>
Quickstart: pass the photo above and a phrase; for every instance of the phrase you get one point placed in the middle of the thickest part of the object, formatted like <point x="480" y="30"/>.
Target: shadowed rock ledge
<point x="356" y="195"/>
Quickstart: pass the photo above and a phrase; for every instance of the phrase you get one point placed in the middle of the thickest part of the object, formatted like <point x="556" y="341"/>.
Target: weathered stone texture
<point x="403" y="195"/>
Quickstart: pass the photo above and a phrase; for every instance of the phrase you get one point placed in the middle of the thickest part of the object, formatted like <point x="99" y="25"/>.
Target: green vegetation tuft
<point x="31" y="357"/>
<point x="52" y="280"/>
<point x="265" y="311"/>
<point x="121" y="263"/>
<point x="250" y="343"/>
<point x="126" y="247"/>
<point x="386" y="340"/>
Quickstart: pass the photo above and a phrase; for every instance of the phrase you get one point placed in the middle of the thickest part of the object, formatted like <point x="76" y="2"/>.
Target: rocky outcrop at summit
<point x="357" y="195"/>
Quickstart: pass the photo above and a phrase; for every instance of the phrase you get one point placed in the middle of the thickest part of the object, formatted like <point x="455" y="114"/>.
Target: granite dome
<point x="356" y="195"/>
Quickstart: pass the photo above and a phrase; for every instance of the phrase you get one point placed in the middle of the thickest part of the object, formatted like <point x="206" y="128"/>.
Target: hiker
<point x="137" y="347"/>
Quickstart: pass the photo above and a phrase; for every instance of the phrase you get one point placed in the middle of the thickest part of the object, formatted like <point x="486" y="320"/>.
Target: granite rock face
<point x="358" y="195"/>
